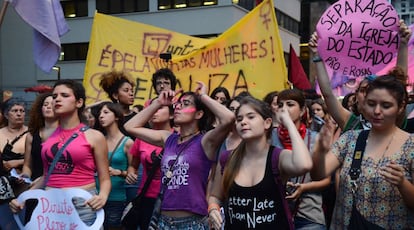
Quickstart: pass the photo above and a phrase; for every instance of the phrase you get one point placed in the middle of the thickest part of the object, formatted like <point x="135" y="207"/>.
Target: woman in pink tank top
<point x="84" y="156"/>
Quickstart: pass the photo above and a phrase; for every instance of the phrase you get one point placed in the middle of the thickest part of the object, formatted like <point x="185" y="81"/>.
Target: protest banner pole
<point x="3" y="11"/>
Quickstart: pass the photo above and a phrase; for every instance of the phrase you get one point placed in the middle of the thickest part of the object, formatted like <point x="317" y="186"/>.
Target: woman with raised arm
<point x="344" y="118"/>
<point x="254" y="175"/>
<point x="147" y="155"/>
<point x="304" y="194"/>
<point x="188" y="155"/>
<point x="87" y="153"/>
<point x="376" y="179"/>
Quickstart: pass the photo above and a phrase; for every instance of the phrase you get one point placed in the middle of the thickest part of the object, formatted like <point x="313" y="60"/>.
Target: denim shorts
<point x="304" y="224"/>
<point x="86" y="213"/>
<point x="113" y="213"/>
<point x="194" y="222"/>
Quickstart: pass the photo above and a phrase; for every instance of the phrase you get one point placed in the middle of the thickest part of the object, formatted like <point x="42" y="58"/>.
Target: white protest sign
<point x="358" y="37"/>
<point x="55" y="210"/>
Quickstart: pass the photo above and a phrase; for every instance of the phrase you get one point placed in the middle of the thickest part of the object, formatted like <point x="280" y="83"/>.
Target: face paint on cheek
<point x="188" y="110"/>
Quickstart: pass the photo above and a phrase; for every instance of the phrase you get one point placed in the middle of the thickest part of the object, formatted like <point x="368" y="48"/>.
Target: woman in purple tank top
<point x="188" y="155"/>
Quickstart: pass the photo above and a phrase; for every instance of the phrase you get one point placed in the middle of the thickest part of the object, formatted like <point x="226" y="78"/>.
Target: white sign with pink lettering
<point x="55" y="210"/>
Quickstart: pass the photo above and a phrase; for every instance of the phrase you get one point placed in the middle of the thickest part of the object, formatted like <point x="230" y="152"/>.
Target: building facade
<point x="202" y="18"/>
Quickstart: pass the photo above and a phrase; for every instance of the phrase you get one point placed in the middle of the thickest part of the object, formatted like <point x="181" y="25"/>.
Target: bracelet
<point x="122" y="173"/>
<point x="213" y="206"/>
<point x="316" y="59"/>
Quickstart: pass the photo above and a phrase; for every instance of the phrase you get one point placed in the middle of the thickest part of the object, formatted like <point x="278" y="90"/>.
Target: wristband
<point x="316" y="59"/>
<point x="213" y="206"/>
<point x="122" y="173"/>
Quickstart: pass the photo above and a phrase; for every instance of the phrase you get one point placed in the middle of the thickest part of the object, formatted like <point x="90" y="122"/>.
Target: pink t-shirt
<point x="76" y="166"/>
<point x="143" y="150"/>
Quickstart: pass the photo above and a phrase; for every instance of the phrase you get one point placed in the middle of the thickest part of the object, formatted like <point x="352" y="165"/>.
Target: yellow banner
<point x="246" y="57"/>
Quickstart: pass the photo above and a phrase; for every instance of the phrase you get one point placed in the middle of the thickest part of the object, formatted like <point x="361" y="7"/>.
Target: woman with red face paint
<point x="188" y="155"/>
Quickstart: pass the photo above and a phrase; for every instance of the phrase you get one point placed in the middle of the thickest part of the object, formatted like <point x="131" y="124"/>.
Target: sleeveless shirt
<point x="37" y="167"/>
<point x="259" y="206"/>
<point x="186" y="190"/>
<point x="76" y="166"/>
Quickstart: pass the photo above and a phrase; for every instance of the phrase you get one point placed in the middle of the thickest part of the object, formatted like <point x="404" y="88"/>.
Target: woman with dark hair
<point x="382" y="192"/>
<point x="271" y="100"/>
<point x="145" y="154"/>
<point x="221" y="95"/>
<point x="110" y="119"/>
<point x="42" y="123"/>
<point x="304" y="194"/>
<point x="87" y="153"/>
<point x="348" y="102"/>
<point x="188" y="155"/>
<point x="119" y="87"/>
<point x="249" y="187"/>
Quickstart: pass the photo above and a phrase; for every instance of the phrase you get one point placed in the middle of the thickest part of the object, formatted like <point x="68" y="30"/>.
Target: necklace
<point x="169" y="174"/>
<point x="189" y="135"/>
<point x="388" y="145"/>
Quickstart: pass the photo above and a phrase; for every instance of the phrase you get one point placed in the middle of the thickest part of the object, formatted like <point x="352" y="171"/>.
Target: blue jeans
<point x="305" y="224"/>
<point x="7" y="221"/>
<point x="191" y="222"/>
<point x="113" y="213"/>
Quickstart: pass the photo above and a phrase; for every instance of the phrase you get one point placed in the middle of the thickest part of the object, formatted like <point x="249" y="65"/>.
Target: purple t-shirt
<point x="186" y="190"/>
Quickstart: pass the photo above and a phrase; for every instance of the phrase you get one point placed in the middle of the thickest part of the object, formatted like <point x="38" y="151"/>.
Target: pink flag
<point x="47" y="19"/>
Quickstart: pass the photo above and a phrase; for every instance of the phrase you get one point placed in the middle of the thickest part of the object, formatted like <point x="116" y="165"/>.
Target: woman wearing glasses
<point x="188" y="155"/>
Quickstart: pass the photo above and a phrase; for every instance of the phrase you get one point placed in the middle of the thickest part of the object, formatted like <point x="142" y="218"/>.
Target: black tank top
<point x="258" y="207"/>
<point x="37" y="164"/>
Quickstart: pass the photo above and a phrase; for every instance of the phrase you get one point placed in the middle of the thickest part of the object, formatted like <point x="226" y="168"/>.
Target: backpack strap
<point x="281" y="185"/>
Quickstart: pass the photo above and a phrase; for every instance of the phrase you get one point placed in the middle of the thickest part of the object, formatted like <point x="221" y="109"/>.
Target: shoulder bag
<point x="131" y="216"/>
<point x="357" y="221"/>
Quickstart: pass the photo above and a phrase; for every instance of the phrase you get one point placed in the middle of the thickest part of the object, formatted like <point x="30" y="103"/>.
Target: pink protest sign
<point x="358" y="37"/>
<point x="55" y="210"/>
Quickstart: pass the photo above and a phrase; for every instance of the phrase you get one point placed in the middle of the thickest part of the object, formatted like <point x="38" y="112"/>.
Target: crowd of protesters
<point x="233" y="162"/>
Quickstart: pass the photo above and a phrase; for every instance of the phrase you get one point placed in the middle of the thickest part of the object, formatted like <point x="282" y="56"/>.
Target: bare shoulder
<point x="94" y="136"/>
<point x="129" y="142"/>
<point x="3" y="130"/>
